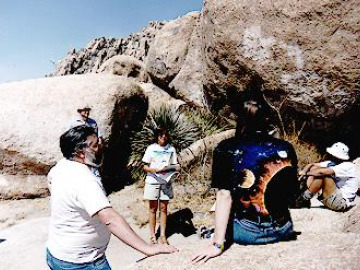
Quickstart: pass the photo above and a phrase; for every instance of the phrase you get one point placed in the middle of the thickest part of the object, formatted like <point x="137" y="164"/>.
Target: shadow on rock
<point x="179" y="222"/>
<point x="127" y="117"/>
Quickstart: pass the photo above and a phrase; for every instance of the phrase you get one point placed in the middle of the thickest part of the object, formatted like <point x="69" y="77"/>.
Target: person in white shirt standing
<point x="336" y="178"/>
<point x="82" y="218"/>
<point x="160" y="165"/>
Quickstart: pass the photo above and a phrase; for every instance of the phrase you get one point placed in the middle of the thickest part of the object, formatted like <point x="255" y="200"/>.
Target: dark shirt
<point x="260" y="172"/>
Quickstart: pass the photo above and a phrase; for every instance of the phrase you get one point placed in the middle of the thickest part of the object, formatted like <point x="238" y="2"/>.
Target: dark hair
<point x="74" y="139"/>
<point x="254" y="114"/>
<point x="160" y="131"/>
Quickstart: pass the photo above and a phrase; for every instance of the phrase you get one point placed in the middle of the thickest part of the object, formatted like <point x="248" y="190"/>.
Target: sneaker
<point x="300" y="202"/>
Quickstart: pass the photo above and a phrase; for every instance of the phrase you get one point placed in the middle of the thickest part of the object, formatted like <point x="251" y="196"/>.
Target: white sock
<point x="308" y="194"/>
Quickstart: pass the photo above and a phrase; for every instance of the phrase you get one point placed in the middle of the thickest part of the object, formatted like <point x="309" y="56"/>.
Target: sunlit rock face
<point x="306" y="51"/>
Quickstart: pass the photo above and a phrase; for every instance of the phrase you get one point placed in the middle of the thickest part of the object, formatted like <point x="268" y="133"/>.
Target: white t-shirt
<point x="345" y="178"/>
<point x="76" y="195"/>
<point x="158" y="157"/>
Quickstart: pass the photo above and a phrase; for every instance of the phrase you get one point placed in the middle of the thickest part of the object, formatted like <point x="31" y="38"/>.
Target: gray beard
<point x="90" y="159"/>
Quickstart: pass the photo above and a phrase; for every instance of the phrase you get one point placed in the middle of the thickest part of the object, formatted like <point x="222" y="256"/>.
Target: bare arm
<point x="222" y="213"/>
<point x="307" y="168"/>
<point x="320" y="171"/>
<point x="147" y="169"/>
<point x="122" y="230"/>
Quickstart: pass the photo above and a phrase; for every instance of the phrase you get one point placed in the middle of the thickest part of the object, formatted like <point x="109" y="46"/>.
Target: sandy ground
<point x="321" y="243"/>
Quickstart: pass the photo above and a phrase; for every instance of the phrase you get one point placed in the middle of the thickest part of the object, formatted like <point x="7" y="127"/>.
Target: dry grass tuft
<point x="306" y="152"/>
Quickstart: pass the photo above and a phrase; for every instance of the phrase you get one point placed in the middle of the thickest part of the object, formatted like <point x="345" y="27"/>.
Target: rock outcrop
<point x="158" y="97"/>
<point x="306" y="52"/>
<point x="124" y="65"/>
<point x="92" y="56"/>
<point x="306" y="55"/>
<point x="169" y="49"/>
<point x="34" y="113"/>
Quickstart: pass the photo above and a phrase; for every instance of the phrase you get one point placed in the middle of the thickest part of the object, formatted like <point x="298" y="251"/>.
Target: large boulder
<point x="307" y="51"/>
<point x="158" y="97"/>
<point x="34" y="113"/>
<point x="124" y="65"/>
<point x="188" y="83"/>
<point x="169" y="49"/>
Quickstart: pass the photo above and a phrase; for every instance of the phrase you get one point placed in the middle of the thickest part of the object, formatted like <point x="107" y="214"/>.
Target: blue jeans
<point x="250" y="232"/>
<point x="56" y="264"/>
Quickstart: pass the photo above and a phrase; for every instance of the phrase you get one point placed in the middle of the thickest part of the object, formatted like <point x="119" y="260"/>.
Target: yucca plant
<point x="208" y="123"/>
<point x="182" y="132"/>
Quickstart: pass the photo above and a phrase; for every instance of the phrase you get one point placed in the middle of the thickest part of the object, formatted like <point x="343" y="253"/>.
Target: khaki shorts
<point x="155" y="191"/>
<point x="335" y="201"/>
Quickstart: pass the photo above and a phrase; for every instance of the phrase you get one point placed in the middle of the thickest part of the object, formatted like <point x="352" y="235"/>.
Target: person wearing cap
<point x="334" y="178"/>
<point x="83" y="119"/>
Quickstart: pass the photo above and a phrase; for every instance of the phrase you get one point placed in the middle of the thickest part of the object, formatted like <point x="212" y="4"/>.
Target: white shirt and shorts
<point x="158" y="186"/>
<point x="75" y="234"/>
<point x="346" y="181"/>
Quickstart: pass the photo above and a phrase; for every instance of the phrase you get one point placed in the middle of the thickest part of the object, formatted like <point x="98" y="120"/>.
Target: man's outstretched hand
<point x="160" y="249"/>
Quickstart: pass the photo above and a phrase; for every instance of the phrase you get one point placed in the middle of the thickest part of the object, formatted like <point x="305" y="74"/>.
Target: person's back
<point x="256" y="177"/>
<point x="260" y="174"/>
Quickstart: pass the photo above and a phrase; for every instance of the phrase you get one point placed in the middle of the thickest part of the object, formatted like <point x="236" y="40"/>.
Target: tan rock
<point x="158" y="97"/>
<point x="34" y="113"/>
<point x="127" y="66"/>
<point x="169" y="48"/>
<point x="188" y="83"/>
<point x="309" y="50"/>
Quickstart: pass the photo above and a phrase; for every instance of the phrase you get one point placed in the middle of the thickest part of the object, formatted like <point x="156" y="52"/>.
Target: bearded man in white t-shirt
<point x="82" y="218"/>
<point x="335" y="178"/>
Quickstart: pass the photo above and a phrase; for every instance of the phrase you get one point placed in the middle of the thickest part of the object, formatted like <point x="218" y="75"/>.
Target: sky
<point x="35" y="34"/>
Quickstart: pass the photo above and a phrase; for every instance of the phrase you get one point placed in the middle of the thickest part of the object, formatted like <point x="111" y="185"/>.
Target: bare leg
<point x="329" y="187"/>
<point x="153" y="206"/>
<point x="314" y="185"/>
<point x="163" y="217"/>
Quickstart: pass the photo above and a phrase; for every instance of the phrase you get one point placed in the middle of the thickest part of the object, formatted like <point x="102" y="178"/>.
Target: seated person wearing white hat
<point x="335" y="178"/>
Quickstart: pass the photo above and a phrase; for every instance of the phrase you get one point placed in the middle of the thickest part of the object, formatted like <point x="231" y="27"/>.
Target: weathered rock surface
<point x="169" y="49"/>
<point x="306" y="53"/>
<point x="188" y="82"/>
<point x="34" y="113"/>
<point x="304" y="50"/>
<point x="124" y="65"/>
<point x="92" y="56"/>
<point x="23" y="186"/>
<point x="158" y="97"/>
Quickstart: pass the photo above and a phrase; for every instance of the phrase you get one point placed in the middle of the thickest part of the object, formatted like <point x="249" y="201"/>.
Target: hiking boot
<point x="300" y="202"/>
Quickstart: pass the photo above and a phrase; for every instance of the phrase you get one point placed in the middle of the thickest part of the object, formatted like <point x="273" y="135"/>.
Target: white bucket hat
<point x="339" y="150"/>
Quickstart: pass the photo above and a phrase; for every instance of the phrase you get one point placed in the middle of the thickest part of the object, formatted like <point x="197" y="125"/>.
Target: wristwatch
<point x="218" y="246"/>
